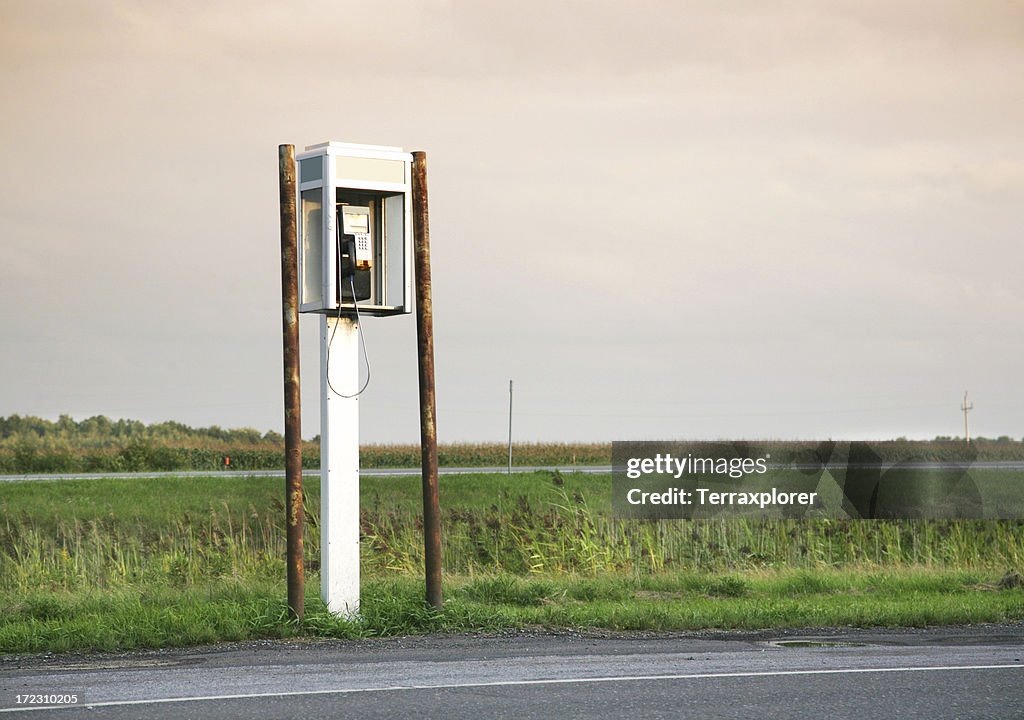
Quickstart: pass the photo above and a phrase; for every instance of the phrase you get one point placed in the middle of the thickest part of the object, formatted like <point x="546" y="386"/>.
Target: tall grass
<point x="108" y="564"/>
<point x="107" y="534"/>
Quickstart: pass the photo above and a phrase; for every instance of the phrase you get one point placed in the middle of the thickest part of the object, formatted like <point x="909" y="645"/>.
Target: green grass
<point x="139" y="617"/>
<point x="105" y="564"/>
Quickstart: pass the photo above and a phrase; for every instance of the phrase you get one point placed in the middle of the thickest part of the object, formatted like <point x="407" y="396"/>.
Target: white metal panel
<point x="370" y="169"/>
<point x="383" y="152"/>
<point x="339" y="465"/>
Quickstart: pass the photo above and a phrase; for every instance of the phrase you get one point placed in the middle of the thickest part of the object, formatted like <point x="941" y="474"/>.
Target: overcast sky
<point x="662" y="220"/>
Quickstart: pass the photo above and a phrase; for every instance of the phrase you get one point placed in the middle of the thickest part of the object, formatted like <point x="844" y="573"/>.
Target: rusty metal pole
<point x="294" y="519"/>
<point x="428" y="409"/>
<point x="509" y="427"/>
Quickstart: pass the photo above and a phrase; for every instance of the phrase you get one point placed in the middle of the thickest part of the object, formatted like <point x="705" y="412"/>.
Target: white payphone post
<point x="355" y="259"/>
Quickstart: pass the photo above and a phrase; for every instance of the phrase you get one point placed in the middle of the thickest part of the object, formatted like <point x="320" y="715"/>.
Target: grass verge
<point x="130" y="618"/>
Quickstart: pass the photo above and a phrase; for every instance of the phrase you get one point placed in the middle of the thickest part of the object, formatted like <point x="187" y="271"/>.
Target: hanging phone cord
<point x="362" y="344"/>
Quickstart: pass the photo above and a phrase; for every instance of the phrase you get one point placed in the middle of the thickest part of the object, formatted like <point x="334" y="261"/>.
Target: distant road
<point x="1016" y="465"/>
<point x="365" y="472"/>
<point x="935" y="673"/>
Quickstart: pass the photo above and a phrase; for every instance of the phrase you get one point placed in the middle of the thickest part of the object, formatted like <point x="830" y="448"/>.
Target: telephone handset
<point x="355" y="252"/>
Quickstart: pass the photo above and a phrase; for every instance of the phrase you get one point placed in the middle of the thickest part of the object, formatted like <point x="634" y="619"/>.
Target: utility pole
<point x="428" y="403"/>
<point x="509" y="427"/>
<point x="294" y="513"/>
<point x="967" y="407"/>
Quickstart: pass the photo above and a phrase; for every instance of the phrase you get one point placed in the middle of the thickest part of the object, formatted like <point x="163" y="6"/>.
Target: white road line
<point x="513" y="683"/>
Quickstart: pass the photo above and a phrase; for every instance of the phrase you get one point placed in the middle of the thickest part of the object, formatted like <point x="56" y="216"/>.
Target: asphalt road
<point x="405" y="472"/>
<point x="364" y="472"/>
<point x="974" y="672"/>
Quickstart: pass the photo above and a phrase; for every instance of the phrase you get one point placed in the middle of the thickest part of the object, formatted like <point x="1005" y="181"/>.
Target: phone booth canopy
<point x="355" y="229"/>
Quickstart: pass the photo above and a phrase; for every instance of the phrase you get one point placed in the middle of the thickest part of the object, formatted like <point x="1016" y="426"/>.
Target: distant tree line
<point x="100" y="431"/>
<point x="98" y="444"/>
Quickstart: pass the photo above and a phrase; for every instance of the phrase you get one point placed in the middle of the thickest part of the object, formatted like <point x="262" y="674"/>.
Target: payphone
<point x="355" y="259"/>
<point x="355" y="229"/>
<point x="354" y="253"/>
